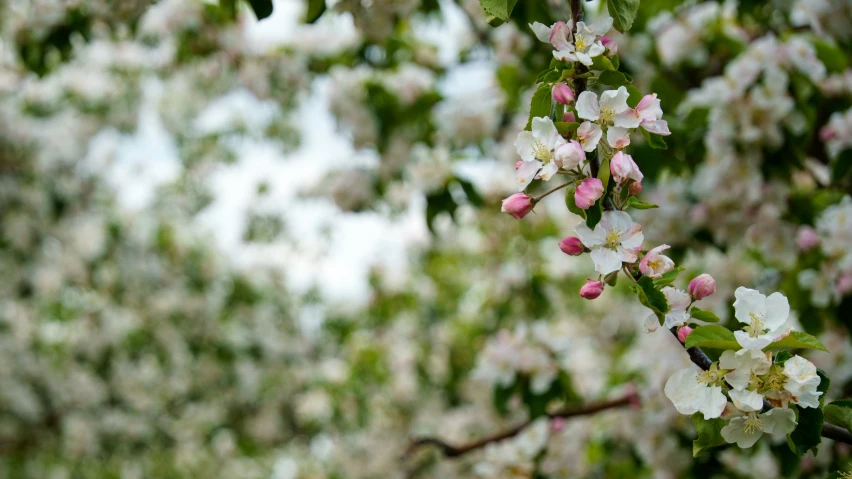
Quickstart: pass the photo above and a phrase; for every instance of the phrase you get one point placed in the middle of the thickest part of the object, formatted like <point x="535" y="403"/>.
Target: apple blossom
<point x="583" y="45"/>
<point x="634" y="188"/>
<point x="610" y="45"/>
<point x="518" y="205"/>
<point x="650" y="112"/>
<point x="589" y="135"/>
<point x="591" y="290"/>
<point x="802" y="381"/>
<point x="572" y="246"/>
<point x="622" y="167"/>
<point x="692" y="390"/>
<point x="611" y="112"/>
<point x="678" y="301"/>
<point x="702" y="286"/>
<point x="745" y="366"/>
<point x="654" y="264"/>
<point x="588" y="191"/>
<point x="562" y="93"/>
<point x="683" y="333"/>
<point x="570" y="155"/>
<point x="536" y="148"/>
<point x="746" y="430"/>
<point x="615" y="239"/>
<point x="806" y="238"/>
<point x="765" y="317"/>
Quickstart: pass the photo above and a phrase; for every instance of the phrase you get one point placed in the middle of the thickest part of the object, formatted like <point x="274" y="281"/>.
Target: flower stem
<point x="536" y="199"/>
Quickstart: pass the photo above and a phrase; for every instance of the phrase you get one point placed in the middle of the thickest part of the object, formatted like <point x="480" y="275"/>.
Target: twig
<point x="541" y="196"/>
<point x="455" y="451"/>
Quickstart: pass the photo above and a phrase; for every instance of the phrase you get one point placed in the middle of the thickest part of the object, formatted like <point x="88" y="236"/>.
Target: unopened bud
<point x="702" y="286"/>
<point x="588" y="192"/>
<point x="682" y="333"/>
<point x="517" y="205"/>
<point x="572" y="246"/>
<point x="591" y="290"/>
<point x="563" y="94"/>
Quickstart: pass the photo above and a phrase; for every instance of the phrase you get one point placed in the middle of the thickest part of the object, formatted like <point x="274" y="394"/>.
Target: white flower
<point x="746" y="430"/>
<point x="802" y="381"/>
<point x="746" y="365"/>
<point x="615" y="239"/>
<point x="678" y="301"/>
<point x="589" y="135"/>
<point x="541" y="31"/>
<point x="537" y="148"/>
<point x="765" y="317"/>
<point x="611" y="111"/>
<point x="692" y="390"/>
<point x="650" y="113"/>
<point x="584" y="45"/>
<point x="570" y="155"/>
<point x="655" y="264"/>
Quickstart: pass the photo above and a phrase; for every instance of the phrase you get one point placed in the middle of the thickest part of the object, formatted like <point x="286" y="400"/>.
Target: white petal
<point x="748" y="301"/>
<point x="585" y="59"/>
<point x="548" y="171"/>
<point x="780" y="421"/>
<point x="544" y="130"/>
<point x="526" y="173"/>
<point x="634" y="238"/>
<point x="651" y="323"/>
<point x="566" y="55"/>
<point x="587" y="106"/>
<point x="676" y="318"/>
<point x="616" y="99"/>
<point x="808" y="399"/>
<point x="602" y="25"/>
<point x="629" y="118"/>
<point x="595" y="49"/>
<point x="658" y="127"/>
<point x="589" y="135"/>
<point x="541" y="31"/>
<point x="777" y="311"/>
<point x="617" y="137"/>
<point x="747" y="342"/>
<point x="735" y="432"/>
<point x="570" y="155"/>
<point x="677" y="299"/>
<point x="606" y="260"/>
<point x="616" y="220"/>
<point x="524" y="144"/>
<point x="746" y="401"/>
<point x="590" y="238"/>
<point x="681" y="389"/>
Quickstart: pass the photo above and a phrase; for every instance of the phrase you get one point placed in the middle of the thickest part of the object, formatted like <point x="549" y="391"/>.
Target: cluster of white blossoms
<point x="759" y="388"/>
<point x="582" y="44"/>
<point x="837" y="134"/>
<point x="833" y="235"/>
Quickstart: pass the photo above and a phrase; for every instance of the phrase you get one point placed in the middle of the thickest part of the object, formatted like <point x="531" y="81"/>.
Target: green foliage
<point x="497" y="11"/>
<point x="668" y="278"/>
<point x="602" y="63"/>
<point x="709" y="433"/>
<point x="623" y="12"/>
<point x="839" y="413"/>
<point x="654" y="141"/>
<point x="636" y="203"/>
<point x="565" y="128"/>
<point x="781" y="357"/>
<point x="808" y="432"/>
<point x="615" y="78"/>
<point x="540" y="103"/>
<point x="841" y="166"/>
<point x="651" y="297"/>
<point x="798" y="340"/>
<point x="570" y="203"/>
<point x="594" y="214"/>
<point x="704" y="315"/>
<point x="712" y="336"/>
<point x="315" y="10"/>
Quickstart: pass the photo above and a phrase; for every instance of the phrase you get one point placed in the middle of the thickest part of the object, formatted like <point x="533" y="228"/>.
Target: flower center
<point x="775" y="380"/>
<point x="542" y="152"/>
<point x="754" y="381"/>
<point x="607" y="114"/>
<point x="710" y="377"/>
<point x="579" y="44"/>
<point x="755" y="327"/>
<point x="752" y="424"/>
<point x="613" y="238"/>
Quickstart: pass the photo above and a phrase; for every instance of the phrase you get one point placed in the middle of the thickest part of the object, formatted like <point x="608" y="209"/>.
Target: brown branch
<point x="455" y="451"/>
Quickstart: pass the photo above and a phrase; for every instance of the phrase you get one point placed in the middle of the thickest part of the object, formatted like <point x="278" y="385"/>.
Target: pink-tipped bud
<point x="518" y="164"/>
<point x="622" y="167"/>
<point x="591" y="290"/>
<point x="702" y="286"/>
<point x="610" y="45"/>
<point x="588" y="192"/>
<point x="807" y="238"/>
<point x="562" y="93"/>
<point x="572" y="246"/>
<point x="844" y="284"/>
<point x="682" y="333"/>
<point x="634" y="188"/>
<point x="518" y="205"/>
<point x="568" y="117"/>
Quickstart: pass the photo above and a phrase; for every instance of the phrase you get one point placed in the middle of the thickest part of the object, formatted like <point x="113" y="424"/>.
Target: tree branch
<point x="829" y="431"/>
<point x="455" y="451"/>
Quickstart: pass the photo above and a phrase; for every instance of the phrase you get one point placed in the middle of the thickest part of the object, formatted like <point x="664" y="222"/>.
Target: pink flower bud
<point x="807" y="238"/>
<point x="634" y="188"/>
<point x="588" y="192"/>
<point x="518" y="164"/>
<point x="572" y="246"/>
<point x="610" y="45"/>
<point x="682" y="333"/>
<point x="591" y="290"/>
<point x="569" y="117"/>
<point x="623" y="167"/>
<point x="562" y="93"/>
<point x="844" y="284"/>
<point x="702" y="286"/>
<point x="518" y="205"/>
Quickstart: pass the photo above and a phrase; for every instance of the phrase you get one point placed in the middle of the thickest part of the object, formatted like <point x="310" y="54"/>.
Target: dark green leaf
<point x="808" y="432"/>
<point x="831" y="56"/>
<point x="839" y="413"/>
<point x="593" y="215"/>
<point x="703" y="315"/>
<point x="634" y="96"/>
<point x="604" y="173"/>
<point x="471" y="193"/>
<point x="798" y="340"/>
<point x="565" y="127"/>
<point x="712" y="336"/>
<point x="668" y="278"/>
<point x="602" y="63"/>
<point x="499" y="9"/>
<point x="315" y="10"/>
<point x="614" y="78"/>
<point x="651" y="297"/>
<point x="654" y="141"/>
<point x="262" y="8"/>
<point x="824" y="382"/>
<point x="842" y="166"/>
<point x="709" y="433"/>
<point x="540" y="104"/>
<point x="623" y="12"/>
<point x="782" y="356"/>
<point x="634" y="202"/>
<point x="570" y="203"/>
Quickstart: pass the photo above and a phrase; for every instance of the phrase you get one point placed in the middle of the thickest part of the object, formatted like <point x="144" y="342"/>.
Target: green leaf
<point x="654" y="141"/>
<point x="781" y="357"/>
<point x="634" y="97"/>
<point x="634" y="202"/>
<point x="614" y="78"/>
<point x="808" y="432"/>
<point x="570" y="203"/>
<point x="651" y="297"/>
<point x="566" y="127"/>
<point x="712" y="336"/>
<point x="499" y="9"/>
<point x="798" y="340"/>
<point x="668" y="278"/>
<point x="315" y="10"/>
<point x="824" y="382"/>
<point x="594" y="214"/>
<point x="831" y="56"/>
<point x="841" y="166"/>
<point x="839" y="413"/>
<point x="263" y="8"/>
<point x="540" y="104"/>
<point x="603" y="174"/>
<point x="623" y="12"/>
<point x="501" y="398"/>
<point x="602" y="63"/>
<point x="704" y="315"/>
<point x="709" y="433"/>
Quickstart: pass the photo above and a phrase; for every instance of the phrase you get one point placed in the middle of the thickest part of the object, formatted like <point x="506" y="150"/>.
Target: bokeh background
<point x="274" y="249"/>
